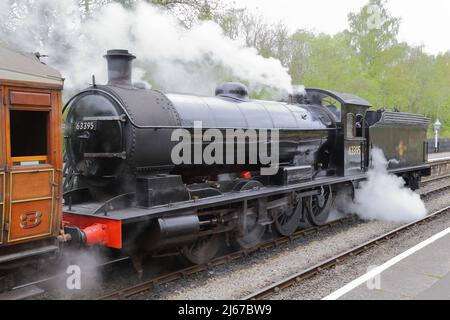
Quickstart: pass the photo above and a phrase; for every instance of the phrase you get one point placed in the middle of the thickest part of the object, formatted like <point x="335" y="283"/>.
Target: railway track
<point x="434" y="191"/>
<point x="433" y="179"/>
<point x="30" y="289"/>
<point x="164" y="279"/>
<point x="273" y="243"/>
<point x="332" y="262"/>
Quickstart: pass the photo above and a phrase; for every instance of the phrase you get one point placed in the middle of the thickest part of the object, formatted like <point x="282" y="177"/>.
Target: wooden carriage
<point x="30" y="157"/>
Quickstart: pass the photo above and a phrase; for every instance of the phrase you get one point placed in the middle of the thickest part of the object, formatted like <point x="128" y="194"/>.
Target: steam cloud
<point x="385" y="197"/>
<point x="193" y="60"/>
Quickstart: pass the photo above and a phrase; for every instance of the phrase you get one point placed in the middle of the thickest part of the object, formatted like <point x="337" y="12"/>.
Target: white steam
<point x="385" y="197"/>
<point x="174" y="58"/>
<point x="3" y="7"/>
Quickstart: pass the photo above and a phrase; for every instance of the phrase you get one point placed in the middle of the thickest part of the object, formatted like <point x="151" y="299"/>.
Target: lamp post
<point x="437" y="127"/>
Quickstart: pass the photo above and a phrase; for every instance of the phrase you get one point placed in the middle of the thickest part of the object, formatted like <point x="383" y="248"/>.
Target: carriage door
<point x="2" y="168"/>
<point x="31" y="175"/>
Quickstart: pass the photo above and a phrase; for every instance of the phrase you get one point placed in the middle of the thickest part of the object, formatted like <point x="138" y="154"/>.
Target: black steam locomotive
<point x="125" y="191"/>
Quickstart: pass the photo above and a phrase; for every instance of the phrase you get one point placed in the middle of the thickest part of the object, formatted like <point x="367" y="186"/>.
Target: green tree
<point x="188" y="11"/>
<point x="372" y="31"/>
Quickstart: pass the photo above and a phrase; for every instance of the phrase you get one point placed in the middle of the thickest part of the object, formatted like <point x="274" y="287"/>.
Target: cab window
<point x="350" y="125"/>
<point x="333" y="106"/>
<point x="359" y="121"/>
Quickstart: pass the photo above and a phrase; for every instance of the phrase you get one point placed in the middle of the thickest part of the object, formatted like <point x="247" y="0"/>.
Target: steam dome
<point x="233" y="90"/>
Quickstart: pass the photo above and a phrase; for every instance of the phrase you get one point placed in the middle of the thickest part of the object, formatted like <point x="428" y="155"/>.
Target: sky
<point x="423" y="22"/>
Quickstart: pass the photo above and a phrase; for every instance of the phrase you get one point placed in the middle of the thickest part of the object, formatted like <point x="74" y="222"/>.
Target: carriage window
<point x="350" y="125"/>
<point x="29" y="136"/>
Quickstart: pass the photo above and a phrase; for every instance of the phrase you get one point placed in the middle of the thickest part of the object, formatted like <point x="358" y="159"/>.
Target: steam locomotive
<point x="130" y="195"/>
<point x="125" y="188"/>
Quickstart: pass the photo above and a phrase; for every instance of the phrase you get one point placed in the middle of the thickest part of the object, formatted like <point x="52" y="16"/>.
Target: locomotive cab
<point x="351" y="142"/>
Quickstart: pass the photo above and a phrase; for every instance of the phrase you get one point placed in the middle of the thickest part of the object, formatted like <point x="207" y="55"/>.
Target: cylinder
<point x="178" y="230"/>
<point x="169" y="232"/>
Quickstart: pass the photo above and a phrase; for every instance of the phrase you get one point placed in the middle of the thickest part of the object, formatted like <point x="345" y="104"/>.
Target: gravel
<point x="330" y="280"/>
<point x="434" y="185"/>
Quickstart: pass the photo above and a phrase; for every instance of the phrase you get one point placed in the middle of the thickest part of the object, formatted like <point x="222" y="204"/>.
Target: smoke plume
<point x="385" y="197"/>
<point x="169" y="56"/>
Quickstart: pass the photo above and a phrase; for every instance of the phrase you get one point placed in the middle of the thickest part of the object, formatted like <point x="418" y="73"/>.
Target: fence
<point x="444" y="145"/>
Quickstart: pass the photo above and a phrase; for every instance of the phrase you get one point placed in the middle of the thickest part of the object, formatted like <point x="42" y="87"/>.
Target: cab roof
<point x="26" y="67"/>
<point x="343" y="98"/>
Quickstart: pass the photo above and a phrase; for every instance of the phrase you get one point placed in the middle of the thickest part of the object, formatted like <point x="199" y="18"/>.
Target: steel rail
<point x="332" y="262"/>
<point x="63" y="274"/>
<point x="434" y="191"/>
<point x="433" y="179"/>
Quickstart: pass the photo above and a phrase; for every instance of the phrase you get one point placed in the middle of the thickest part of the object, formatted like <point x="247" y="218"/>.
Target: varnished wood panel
<point x="2" y="130"/>
<point x="2" y="166"/>
<point x="31" y="185"/>
<point x="30" y="98"/>
<point x="30" y="220"/>
<point x="2" y="204"/>
<point x="2" y="187"/>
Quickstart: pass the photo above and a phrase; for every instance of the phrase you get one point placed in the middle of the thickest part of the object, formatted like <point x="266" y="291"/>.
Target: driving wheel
<point x="318" y="206"/>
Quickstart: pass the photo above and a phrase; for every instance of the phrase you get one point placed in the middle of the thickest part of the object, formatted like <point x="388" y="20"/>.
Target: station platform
<point x="420" y="273"/>
<point x="432" y="157"/>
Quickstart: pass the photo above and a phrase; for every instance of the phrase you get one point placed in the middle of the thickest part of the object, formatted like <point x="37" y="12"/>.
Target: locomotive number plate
<point x="85" y="125"/>
<point x="354" y="150"/>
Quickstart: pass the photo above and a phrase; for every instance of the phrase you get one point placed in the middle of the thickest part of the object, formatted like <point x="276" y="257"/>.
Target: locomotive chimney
<point x="119" y="67"/>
